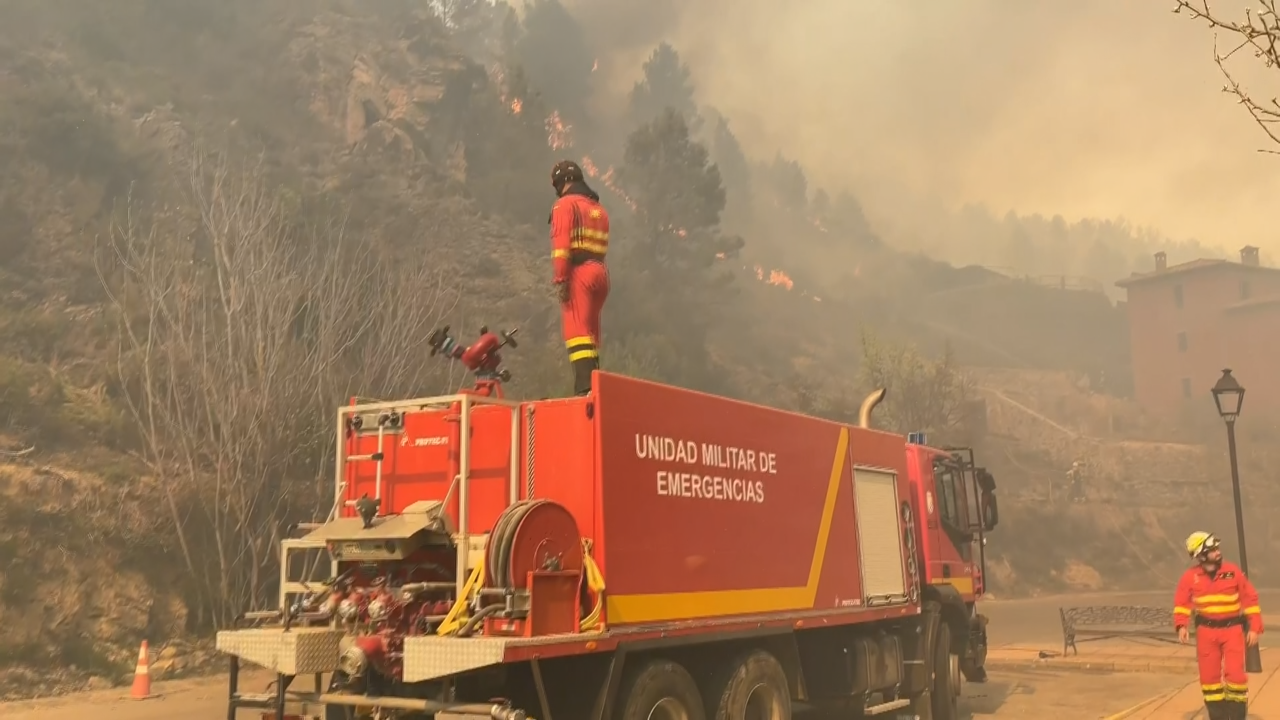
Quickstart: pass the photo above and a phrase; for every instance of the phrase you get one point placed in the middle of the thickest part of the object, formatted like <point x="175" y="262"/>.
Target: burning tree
<point x="1258" y="33"/>
<point x="553" y="49"/>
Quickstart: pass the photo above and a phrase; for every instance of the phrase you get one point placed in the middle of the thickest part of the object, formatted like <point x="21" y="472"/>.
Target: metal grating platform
<point x="428" y="657"/>
<point x="296" y="652"/>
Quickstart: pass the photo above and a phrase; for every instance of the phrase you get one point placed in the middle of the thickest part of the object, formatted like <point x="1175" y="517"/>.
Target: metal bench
<point x="1104" y="622"/>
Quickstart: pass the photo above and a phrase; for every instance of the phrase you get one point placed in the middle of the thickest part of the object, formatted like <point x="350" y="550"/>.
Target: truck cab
<point x="957" y="503"/>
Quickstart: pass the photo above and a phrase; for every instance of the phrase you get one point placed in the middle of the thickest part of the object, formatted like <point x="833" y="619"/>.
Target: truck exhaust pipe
<point x="868" y="406"/>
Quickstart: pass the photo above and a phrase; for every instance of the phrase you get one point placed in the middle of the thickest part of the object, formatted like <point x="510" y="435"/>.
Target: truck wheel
<point x="661" y="690"/>
<point x="946" y="671"/>
<point x="922" y="703"/>
<point x="755" y="688"/>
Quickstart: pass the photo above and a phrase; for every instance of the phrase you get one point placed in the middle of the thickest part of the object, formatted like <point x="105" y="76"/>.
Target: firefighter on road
<point x="1223" y="604"/>
<point x="579" y="241"/>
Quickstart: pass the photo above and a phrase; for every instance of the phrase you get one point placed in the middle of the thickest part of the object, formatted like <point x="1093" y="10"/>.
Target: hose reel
<point x="532" y="535"/>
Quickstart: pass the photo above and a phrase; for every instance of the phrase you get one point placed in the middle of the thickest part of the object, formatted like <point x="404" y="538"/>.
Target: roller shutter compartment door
<point x="879" y="536"/>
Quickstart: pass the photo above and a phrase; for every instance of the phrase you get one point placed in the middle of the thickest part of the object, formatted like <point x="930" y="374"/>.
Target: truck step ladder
<point x="887" y="707"/>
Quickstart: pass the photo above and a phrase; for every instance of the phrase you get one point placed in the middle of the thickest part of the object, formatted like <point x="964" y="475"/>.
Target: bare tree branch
<point x="1260" y="32"/>
<point x="242" y="325"/>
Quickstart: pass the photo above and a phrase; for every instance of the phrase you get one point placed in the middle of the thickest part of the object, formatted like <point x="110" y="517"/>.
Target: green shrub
<point x="33" y="335"/>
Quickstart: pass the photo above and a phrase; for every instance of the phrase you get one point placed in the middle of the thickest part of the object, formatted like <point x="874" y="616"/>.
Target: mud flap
<point x="975" y="659"/>
<point x="918" y="673"/>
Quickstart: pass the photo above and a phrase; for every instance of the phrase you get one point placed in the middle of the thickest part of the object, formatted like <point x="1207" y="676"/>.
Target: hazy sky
<point x="1081" y="107"/>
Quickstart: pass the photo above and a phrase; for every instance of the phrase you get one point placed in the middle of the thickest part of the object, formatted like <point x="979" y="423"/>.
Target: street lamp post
<point x="1228" y="396"/>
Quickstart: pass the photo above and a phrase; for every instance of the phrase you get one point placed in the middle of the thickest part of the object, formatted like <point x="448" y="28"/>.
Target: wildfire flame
<point x="516" y="106"/>
<point x="776" y="277"/>
<point x="781" y="279"/>
<point x="607" y="179"/>
<point x="559" y="134"/>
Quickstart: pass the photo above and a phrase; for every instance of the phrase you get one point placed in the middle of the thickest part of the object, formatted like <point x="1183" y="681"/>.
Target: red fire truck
<point x="644" y="552"/>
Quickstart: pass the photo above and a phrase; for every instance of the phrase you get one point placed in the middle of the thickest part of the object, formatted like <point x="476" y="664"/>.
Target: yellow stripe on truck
<point x="656" y="607"/>
<point x="963" y="585"/>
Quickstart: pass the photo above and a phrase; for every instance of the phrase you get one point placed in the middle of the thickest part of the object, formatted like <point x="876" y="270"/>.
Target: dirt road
<point x="1044" y="695"/>
<point x="1009" y="696"/>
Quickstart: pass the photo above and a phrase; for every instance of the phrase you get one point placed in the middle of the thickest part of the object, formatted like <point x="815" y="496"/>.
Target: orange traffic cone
<point x="141" y="676"/>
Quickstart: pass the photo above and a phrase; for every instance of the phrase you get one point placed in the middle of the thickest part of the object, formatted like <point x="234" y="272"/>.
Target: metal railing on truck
<point x="466" y="404"/>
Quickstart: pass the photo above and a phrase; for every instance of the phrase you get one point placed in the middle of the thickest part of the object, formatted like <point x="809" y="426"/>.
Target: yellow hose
<point x="457" y="616"/>
<point x="595" y="583"/>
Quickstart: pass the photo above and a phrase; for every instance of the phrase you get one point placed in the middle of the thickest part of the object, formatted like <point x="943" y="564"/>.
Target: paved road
<point x="1036" y="620"/>
<point x="1061" y="694"/>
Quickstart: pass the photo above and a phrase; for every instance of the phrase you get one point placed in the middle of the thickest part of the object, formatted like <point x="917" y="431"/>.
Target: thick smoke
<point x="1084" y="108"/>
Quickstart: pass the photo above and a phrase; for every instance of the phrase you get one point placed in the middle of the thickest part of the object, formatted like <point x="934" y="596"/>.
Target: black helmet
<point x="564" y="172"/>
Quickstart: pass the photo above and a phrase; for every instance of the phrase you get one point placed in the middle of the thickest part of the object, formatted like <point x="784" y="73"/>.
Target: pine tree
<point x="666" y="84"/>
<point x="671" y="282"/>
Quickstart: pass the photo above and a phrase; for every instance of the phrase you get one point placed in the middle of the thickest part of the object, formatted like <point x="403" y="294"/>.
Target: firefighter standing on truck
<point x="579" y="241"/>
<point x="1223" y="604"/>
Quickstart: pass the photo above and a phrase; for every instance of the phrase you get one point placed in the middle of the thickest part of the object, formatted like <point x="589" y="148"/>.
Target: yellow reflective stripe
<point x="1221" y="610"/>
<point x="1212" y="687"/>
<point x="595" y="247"/>
<point x="560" y="254"/>
<point x="1181" y="611"/>
<point x="1215" y="696"/>
<point x="582" y="355"/>
<point x="581" y="340"/>
<point x="1232" y="687"/>
<point x="1253" y="610"/>
<point x="596" y="241"/>
<point x="1217" y="599"/>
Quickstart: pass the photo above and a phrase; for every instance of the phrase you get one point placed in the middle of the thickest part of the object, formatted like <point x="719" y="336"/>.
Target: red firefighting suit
<point x="579" y="241"/>
<point x="1222" y="606"/>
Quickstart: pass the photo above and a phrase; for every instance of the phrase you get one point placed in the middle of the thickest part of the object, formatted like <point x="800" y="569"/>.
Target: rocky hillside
<point x="1142" y="496"/>
<point x="210" y="210"/>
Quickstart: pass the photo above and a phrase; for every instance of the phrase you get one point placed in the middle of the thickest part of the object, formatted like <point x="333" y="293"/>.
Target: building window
<point x="1177" y="296"/>
<point x="1186" y="387"/>
<point x="1182" y="342"/>
<point x="1244" y="289"/>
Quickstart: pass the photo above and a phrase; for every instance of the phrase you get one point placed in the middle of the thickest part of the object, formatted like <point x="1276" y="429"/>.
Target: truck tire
<point x="660" y="690"/>
<point x="751" y="687"/>
<point x="946" y="696"/>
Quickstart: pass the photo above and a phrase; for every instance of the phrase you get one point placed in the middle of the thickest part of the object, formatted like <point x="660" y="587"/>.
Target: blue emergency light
<point x="916" y="438"/>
